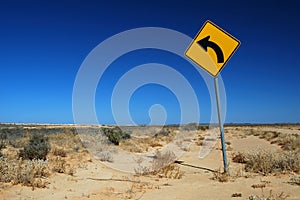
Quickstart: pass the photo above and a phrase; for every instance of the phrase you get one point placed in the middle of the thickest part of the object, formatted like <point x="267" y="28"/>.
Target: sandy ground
<point x="94" y="180"/>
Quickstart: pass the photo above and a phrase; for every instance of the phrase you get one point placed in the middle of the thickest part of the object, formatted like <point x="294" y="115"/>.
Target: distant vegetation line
<point x="167" y="125"/>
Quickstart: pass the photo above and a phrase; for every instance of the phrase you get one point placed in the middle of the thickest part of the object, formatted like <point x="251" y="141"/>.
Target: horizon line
<point x="171" y="124"/>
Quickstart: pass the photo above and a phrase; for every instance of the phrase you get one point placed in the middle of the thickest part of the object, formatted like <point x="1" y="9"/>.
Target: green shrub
<point x="115" y="135"/>
<point x="37" y="148"/>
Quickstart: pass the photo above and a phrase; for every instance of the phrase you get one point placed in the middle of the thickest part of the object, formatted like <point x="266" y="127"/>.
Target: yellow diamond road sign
<point x="212" y="48"/>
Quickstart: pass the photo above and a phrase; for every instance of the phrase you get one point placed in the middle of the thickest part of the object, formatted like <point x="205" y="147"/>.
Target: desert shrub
<point x="142" y="170"/>
<point x="268" y="162"/>
<point x="162" y="166"/>
<point x="9" y="169"/>
<point x="140" y="145"/>
<point x="66" y="138"/>
<point x="32" y="173"/>
<point x="115" y="135"/>
<point x="239" y="158"/>
<point x="171" y="171"/>
<point x="106" y="156"/>
<point x="59" y="152"/>
<point x="37" y="148"/>
<point x="18" y="142"/>
<point x="29" y="173"/>
<point x="220" y="176"/>
<point x="203" y="127"/>
<point x="60" y="165"/>
<point x="288" y="141"/>
<point x="15" y="136"/>
<point x="269" y="135"/>
<point x="162" y="159"/>
<point x="293" y="144"/>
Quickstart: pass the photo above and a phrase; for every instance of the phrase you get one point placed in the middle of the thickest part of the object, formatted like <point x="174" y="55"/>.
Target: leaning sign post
<point x="211" y="49"/>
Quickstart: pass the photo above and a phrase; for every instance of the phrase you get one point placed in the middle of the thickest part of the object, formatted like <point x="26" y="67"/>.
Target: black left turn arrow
<point x="204" y="43"/>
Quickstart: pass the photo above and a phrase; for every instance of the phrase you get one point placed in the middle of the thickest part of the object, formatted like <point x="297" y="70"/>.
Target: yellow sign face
<point x="212" y="48"/>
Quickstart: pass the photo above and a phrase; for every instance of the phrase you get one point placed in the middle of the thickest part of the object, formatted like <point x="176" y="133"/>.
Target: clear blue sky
<point x="42" y="45"/>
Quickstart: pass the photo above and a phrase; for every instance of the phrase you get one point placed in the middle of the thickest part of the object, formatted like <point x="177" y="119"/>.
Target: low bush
<point x="115" y="135"/>
<point x="58" y="165"/>
<point x="29" y="173"/>
<point x="269" y="162"/>
<point x="162" y="166"/>
<point x="59" y="152"/>
<point x="37" y="148"/>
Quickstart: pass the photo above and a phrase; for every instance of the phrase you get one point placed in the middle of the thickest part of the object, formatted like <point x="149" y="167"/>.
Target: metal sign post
<point x="221" y="125"/>
<point x="211" y="49"/>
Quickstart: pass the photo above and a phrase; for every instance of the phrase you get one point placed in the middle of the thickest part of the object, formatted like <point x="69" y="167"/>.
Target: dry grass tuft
<point x="162" y="166"/>
<point x="171" y="171"/>
<point x="220" y="176"/>
<point x="135" y="145"/>
<point x="162" y="159"/>
<point x="140" y="145"/>
<point x="270" y="196"/>
<point x="59" y="152"/>
<point x="60" y="165"/>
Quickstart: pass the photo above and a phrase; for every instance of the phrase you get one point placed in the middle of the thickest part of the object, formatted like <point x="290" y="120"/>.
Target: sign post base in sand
<point x="211" y="49"/>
